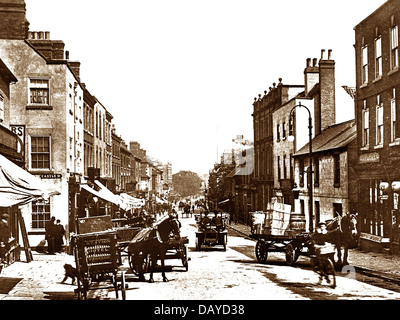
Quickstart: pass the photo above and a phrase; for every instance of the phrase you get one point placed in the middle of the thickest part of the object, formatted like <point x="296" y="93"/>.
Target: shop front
<point x="379" y="209"/>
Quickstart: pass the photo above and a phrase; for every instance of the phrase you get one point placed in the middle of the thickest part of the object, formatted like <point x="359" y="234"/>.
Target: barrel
<point x="297" y="222"/>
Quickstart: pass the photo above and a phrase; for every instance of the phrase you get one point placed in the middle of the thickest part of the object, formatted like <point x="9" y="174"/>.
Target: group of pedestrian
<point x="54" y="235"/>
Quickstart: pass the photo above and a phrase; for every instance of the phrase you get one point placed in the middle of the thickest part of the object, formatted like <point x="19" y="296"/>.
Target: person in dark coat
<point x="49" y="236"/>
<point x="59" y="233"/>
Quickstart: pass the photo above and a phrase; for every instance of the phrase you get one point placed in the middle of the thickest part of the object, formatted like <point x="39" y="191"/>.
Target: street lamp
<point x="291" y="138"/>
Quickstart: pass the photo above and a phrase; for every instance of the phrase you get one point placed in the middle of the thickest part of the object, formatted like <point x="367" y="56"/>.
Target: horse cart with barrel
<point x="212" y="230"/>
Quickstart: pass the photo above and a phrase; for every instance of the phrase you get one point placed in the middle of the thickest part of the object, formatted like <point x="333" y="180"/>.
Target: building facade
<point x="378" y="126"/>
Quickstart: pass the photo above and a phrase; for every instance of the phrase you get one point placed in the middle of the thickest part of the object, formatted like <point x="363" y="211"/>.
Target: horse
<point x="150" y="245"/>
<point x="342" y="232"/>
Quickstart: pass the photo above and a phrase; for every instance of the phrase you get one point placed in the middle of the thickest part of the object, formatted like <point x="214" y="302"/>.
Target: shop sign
<point x="51" y="176"/>
<point x="373" y="238"/>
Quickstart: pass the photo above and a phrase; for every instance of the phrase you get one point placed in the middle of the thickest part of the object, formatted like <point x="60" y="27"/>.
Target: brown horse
<point x="342" y="232"/>
<point x="150" y="245"/>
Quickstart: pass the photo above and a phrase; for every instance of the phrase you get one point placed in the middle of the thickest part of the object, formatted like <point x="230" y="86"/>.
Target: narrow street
<point x="235" y="274"/>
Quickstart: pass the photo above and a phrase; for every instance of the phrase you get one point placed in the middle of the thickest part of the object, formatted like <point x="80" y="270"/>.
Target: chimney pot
<point x="322" y="53"/>
<point x="308" y="62"/>
<point x="315" y="62"/>
<point x="329" y="54"/>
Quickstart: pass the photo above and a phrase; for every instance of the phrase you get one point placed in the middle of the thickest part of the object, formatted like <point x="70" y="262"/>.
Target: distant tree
<point x="186" y="183"/>
<point x="216" y="181"/>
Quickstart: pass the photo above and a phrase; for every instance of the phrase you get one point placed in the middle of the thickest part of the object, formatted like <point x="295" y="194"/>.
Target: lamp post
<point x="291" y="138"/>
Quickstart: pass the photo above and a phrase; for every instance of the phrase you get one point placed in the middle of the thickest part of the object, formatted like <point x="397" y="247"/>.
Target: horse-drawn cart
<point x="96" y="257"/>
<point x="292" y="245"/>
<point x="211" y="230"/>
<point x="161" y="241"/>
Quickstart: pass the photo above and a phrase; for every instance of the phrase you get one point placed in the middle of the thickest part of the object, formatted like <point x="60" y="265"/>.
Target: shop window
<point x="40" y="214"/>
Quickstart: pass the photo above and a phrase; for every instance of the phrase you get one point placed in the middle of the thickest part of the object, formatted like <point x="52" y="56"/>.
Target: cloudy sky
<point x="180" y="76"/>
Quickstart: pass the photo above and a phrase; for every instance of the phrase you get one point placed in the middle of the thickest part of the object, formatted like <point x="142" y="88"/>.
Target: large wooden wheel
<point x="261" y="251"/>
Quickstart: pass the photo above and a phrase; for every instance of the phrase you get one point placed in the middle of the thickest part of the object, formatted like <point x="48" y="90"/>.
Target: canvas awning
<point x="129" y="202"/>
<point x="18" y="186"/>
<point x="102" y="194"/>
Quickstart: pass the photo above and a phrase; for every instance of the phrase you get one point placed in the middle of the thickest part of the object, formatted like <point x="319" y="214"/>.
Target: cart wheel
<point x="261" y="251"/>
<point x="224" y="241"/>
<point x="330" y="273"/>
<point x="291" y="255"/>
<point x="185" y="258"/>
<point x="198" y="243"/>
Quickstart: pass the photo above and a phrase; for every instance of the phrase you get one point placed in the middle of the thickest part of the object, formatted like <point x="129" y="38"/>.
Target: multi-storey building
<point x="283" y="149"/>
<point x="88" y="129"/>
<point x="378" y="126"/>
<point x="47" y="102"/>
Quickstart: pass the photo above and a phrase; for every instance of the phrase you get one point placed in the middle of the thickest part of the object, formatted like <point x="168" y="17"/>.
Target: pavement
<point x="41" y="278"/>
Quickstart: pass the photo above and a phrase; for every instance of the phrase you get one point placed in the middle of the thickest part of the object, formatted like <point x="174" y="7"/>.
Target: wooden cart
<point x="292" y="245"/>
<point x="96" y="258"/>
<point x="176" y="249"/>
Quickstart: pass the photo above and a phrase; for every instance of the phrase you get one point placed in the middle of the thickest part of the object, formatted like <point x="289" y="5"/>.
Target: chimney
<point x="13" y="23"/>
<point x="327" y="91"/>
<point x="75" y="67"/>
<point x="311" y="75"/>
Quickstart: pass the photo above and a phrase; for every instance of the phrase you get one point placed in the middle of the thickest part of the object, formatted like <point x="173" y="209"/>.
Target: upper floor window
<point x="278" y="132"/>
<point x="40" y="153"/>
<point x="379" y="121"/>
<point x="39" y="91"/>
<point x="316" y="172"/>
<point x="336" y="169"/>
<point x="378" y="57"/>
<point x="283" y="130"/>
<point x="365" y="125"/>
<point x="395" y="132"/>
<point x="394" y="47"/>
<point x="364" y="65"/>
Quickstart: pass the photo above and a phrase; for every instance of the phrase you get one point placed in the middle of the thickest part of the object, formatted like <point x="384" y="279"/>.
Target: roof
<point x="334" y="137"/>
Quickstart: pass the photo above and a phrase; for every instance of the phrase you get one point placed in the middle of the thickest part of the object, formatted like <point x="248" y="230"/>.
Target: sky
<point x="180" y="76"/>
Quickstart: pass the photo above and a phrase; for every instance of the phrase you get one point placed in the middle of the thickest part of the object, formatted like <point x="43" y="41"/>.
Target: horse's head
<point x="349" y="224"/>
<point x="167" y="227"/>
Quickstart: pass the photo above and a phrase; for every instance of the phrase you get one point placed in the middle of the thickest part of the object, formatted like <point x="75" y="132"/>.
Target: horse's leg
<point x="162" y="257"/>
<point x="345" y="254"/>
<point x="152" y="263"/>
<point x="339" y="253"/>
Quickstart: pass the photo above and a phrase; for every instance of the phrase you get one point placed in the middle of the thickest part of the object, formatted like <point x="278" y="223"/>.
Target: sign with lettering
<point x="51" y="176"/>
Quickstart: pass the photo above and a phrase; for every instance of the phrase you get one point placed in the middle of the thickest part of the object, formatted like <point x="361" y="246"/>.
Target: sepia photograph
<point x="198" y="158"/>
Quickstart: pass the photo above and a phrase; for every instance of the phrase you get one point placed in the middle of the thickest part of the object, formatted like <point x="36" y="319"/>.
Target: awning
<point x="162" y="201"/>
<point x="18" y="186"/>
<point x="129" y="202"/>
<point x="102" y="194"/>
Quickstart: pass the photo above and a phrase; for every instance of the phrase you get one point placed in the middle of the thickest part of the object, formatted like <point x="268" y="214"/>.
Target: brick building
<point x="378" y="126"/>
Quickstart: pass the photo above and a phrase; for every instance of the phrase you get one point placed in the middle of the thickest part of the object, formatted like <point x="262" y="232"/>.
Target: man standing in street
<point x="59" y="233"/>
<point x="49" y="228"/>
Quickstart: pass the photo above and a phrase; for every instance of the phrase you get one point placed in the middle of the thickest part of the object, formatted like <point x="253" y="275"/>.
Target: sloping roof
<point x="334" y="137"/>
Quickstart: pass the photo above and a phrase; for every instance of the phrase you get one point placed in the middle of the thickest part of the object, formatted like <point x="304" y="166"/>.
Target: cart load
<point x="277" y="220"/>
